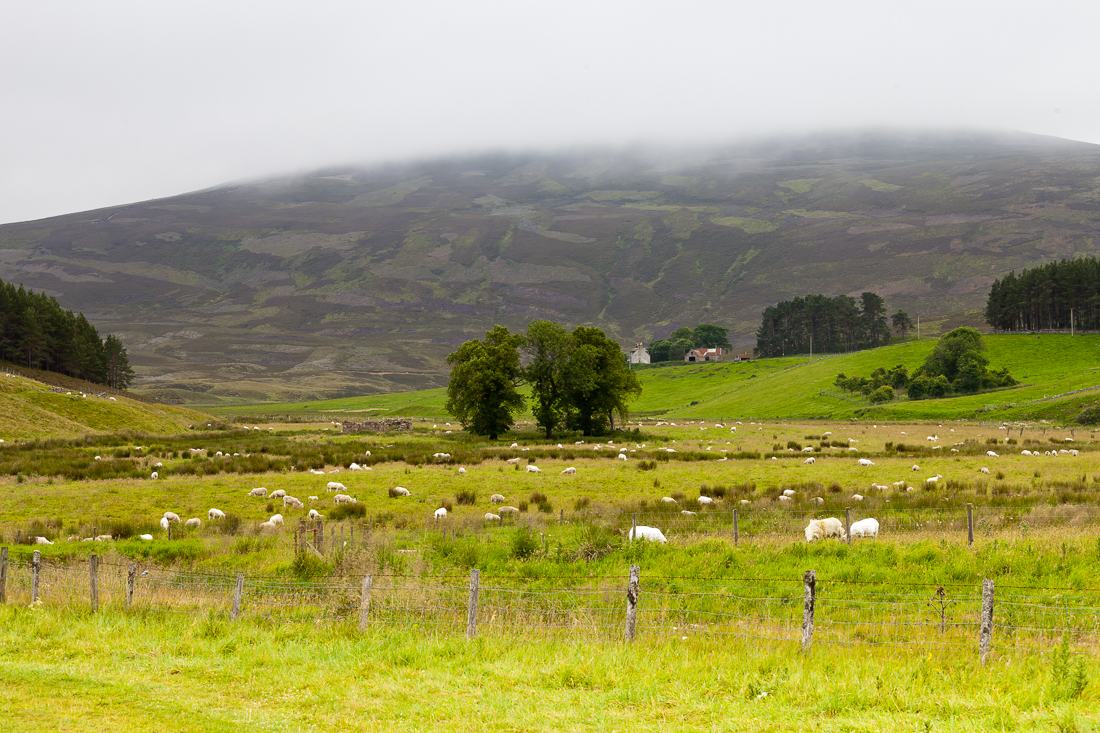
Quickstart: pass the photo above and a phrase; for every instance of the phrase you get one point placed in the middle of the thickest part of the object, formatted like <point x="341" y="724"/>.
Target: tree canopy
<point x="483" y="391"/>
<point x="829" y="325"/>
<point x="1047" y="297"/>
<point x="683" y="339"/>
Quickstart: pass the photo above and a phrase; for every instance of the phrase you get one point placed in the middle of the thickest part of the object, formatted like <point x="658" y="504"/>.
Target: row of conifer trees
<point x="37" y="332"/>
<point x="1047" y="297"/>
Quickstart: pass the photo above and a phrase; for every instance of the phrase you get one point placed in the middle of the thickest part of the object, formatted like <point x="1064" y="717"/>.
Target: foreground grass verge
<point x="117" y="671"/>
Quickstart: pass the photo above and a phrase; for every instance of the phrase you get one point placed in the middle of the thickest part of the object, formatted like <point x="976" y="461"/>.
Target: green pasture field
<point x="796" y="388"/>
<point x="69" y="670"/>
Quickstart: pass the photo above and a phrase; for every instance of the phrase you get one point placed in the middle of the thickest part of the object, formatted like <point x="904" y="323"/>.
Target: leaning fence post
<point x="36" y="567"/>
<point x="471" y="606"/>
<point x="986" y="638"/>
<point x="969" y="525"/>
<point x="810" y="580"/>
<point x="237" y="593"/>
<point x="364" y="603"/>
<point x="3" y="574"/>
<point x="736" y="533"/>
<point x="632" y="602"/>
<point x="93" y="580"/>
<point x="131" y="578"/>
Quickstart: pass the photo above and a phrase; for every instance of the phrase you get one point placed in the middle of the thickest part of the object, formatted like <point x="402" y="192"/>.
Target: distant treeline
<point x="35" y="330"/>
<point x="829" y="325"/>
<point x="1042" y="298"/>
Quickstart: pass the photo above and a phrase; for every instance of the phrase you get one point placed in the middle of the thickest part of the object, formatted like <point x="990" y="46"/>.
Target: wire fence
<point x="801" y="611"/>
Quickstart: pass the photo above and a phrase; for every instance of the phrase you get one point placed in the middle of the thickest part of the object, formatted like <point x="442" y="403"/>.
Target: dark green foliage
<point x="35" y="330"/>
<point x="548" y="350"/>
<point x="524" y="544"/>
<point x="483" y="391"/>
<point x="1044" y="297"/>
<point x="828" y="325"/>
<point x="680" y="341"/>
<point x="355" y="510"/>
<point x="901" y="322"/>
<point x="885" y="393"/>
<point x="599" y="384"/>
<point x="467" y="497"/>
<point x="1090" y="415"/>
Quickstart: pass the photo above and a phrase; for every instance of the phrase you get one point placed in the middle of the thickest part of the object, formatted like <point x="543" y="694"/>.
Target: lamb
<point x="276" y="519"/>
<point x="336" y="486"/>
<point x="864" y="528"/>
<point x="401" y="491"/>
<point x="985" y="470"/>
<point x="866" y="462"/>
<point x="146" y="537"/>
<point x="164" y="523"/>
<point x="292" y="502"/>
<point x="915" y="467"/>
<point x="154" y="475"/>
<point x="260" y="492"/>
<point x="810" y="460"/>
<point x="461" y="471"/>
<point x="215" y="514"/>
<point x="808" y="449"/>
<point x="621" y="457"/>
<point x="686" y="513"/>
<point x="705" y="500"/>
<point x="785" y="498"/>
<point x="193" y="523"/>
<point x="745" y="502"/>
<point x="788" y="492"/>
<point x="514" y="461"/>
<point x="508" y="510"/>
<point x="343" y="499"/>
<point x="355" y="467"/>
<point x="277" y="494"/>
<point x="857" y="497"/>
<point x="314" y="514"/>
<point x="171" y="516"/>
<point x="42" y="541"/>
<point x="991" y="454"/>
<point x="667" y="500"/>
<point x="490" y="517"/>
<point x="571" y="471"/>
<point x="641" y="532"/>
<point x="534" y="469"/>
<point x="819" y="529"/>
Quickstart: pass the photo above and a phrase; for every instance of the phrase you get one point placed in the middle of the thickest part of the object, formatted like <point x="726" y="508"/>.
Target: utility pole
<point x="918" y="327"/>
<point x="1070" y="321"/>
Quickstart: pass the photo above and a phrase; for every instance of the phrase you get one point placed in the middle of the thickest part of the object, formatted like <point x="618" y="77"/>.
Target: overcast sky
<point x="108" y="102"/>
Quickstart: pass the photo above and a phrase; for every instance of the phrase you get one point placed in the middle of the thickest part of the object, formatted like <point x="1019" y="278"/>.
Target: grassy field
<point x="794" y="388"/>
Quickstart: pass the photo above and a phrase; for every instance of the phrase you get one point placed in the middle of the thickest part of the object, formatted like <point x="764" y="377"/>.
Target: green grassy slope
<point x="793" y="387"/>
<point x="28" y="409"/>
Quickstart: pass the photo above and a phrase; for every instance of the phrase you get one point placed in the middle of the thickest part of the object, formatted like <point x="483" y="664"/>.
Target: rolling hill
<point x="350" y="281"/>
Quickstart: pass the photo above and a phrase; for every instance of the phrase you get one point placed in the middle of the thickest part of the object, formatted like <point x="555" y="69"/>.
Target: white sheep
<point x="259" y="491"/>
<point x="146" y="537"/>
<point x="866" y="462"/>
<point x="171" y="516"/>
<point x="514" y="461"/>
<point x="819" y="529"/>
<point x="215" y="514"/>
<point x="154" y="475"/>
<point x="985" y="470"/>
<point x="267" y="526"/>
<point x="440" y="513"/>
<point x="788" y="492"/>
<point x="705" y="500"/>
<point x="857" y="497"/>
<point x="314" y="514"/>
<point x="864" y="528"/>
<point x="686" y="513"/>
<point x="991" y="454"/>
<point x="534" y="469"/>
<point x="461" y="471"/>
<point x="651" y="534"/>
<point x="164" y="523"/>
<point x="355" y="467"/>
<point x="336" y="486"/>
<point x="42" y="541"/>
<point x="193" y="523"/>
<point x="570" y="471"/>
<point x="276" y="519"/>
<point x="344" y="499"/>
<point x="817" y="500"/>
<point x="508" y="510"/>
<point x="785" y="498"/>
<point x="401" y="491"/>
<point x="292" y="502"/>
<point x="810" y="460"/>
<point x="621" y="457"/>
<point x="808" y="449"/>
<point x="745" y="502"/>
<point x="667" y="500"/>
<point x="915" y="467"/>
<point x="490" y="517"/>
<point x="277" y="494"/>
<point x="497" y="498"/>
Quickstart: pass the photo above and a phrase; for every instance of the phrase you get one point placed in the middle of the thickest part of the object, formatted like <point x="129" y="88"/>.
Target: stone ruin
<point x="386" y="423"/>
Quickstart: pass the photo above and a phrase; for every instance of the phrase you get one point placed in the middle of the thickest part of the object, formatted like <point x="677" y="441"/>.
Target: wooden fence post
<point x="810" y="581"/>
<point x="237" y="593"/>
<point x="319" y="537"/>
<point x="131" y="578"/>
<point x="986" y="638"/>
<point x="848" y="524"/>
<point x="471" y="606"/>
<point x="169" y="530"/>
<point x="634" y="526"/>
<point x="3" y="574"/>
<point x="632" y="590"/>
<point x="93" y="580"/>
<point x="364" y="603"/>
<point x="969" y="525"/>
<point x="736" y="532"/>
<point x="36" y="567"/>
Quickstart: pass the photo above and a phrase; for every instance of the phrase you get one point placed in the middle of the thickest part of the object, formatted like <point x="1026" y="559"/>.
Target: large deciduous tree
<point x="547" y="348"/>
<point x="483" y="390"/>
<point x="599" y="383"/>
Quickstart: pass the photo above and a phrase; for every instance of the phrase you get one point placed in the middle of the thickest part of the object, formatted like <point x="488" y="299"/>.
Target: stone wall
<point x="389" y="423"/>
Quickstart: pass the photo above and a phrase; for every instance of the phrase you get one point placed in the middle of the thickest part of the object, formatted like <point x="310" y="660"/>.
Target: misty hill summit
<point x="355" y="280"/>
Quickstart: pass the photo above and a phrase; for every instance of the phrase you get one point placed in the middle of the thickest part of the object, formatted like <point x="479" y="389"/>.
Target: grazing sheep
<point x="641" y="532"/>
<point x="267" y="526"/>
<point x="497" y="498"/>
<point x="514" y="445"/>
<point x="292" y="502"/>
<point x="336" y="486"/>
<point x="42" y="541"/>
<point x="461" y="471"/>
<point x="985" y="470"/>
<point x="345" y="499"/>
<point x="508" y="510"/>
<point x="277" y="494"/>
<point x="159" y="465"/>
<point x="441" y="455"/>
<point x="146" y="537"/>
<point x="991" y="454"/>
<point x="667" y="500"/>
<point x="401" y="491"/>
<point x="705" y="500"/>
<point x="534" y="469"/>
<point x="685" y="512"/>
<point x="621" y="457"/>
<point x="513" y="461"/>
<point x="154" y="475"/>
<point x="820" y="529"/>
<point x="260" y="491"/>
<point x="171" y="516"/>
<point x="817" y="500"/>
<point x="864" y="528"/>
<point x="440" y="513"/>
<point x="808" y="449"/>
<point x="490" y="517"/>
<point x="866" y="462"/>
<point x="915" y="467"/>
<point x="811" y="459"/>
<point x="785" y="498"/>
<point x="745" y="502"/>
<point x="164" y="523"/>
<point x="569" y="471"/>
<point x="276" y="519"/>
<point x="314" y="514"/>
<point x="355" y="467"/>
<point x="788" y="492"/>
<point x="857" y="497"/>
<point x="215" y="514"/>
<point x="193" y="523"/>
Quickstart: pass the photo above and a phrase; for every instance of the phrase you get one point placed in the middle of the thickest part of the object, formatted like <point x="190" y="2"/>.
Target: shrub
<point x="524" y="544"/>
<point x="596" y="542"/>
<point x="1090" y="415"/>
<point x="347" y="511"/>
<point x="644" y="465"/>
<point x="537" y="497"/>
<point x="467" y="497"/>
<point x="522" y="506"/>
<point x="885" y="393"/>
<point x="793" y="445"/>
<point x="581" y="503"/>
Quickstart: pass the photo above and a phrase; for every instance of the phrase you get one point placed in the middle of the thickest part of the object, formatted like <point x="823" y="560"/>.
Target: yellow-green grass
<point x="29" y="410"/>
<point x="65" y="670"/>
